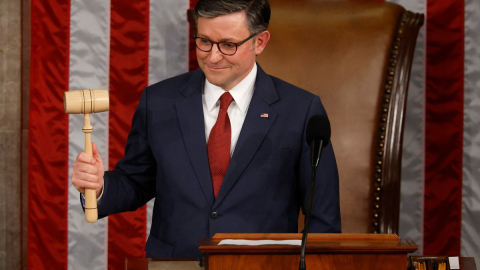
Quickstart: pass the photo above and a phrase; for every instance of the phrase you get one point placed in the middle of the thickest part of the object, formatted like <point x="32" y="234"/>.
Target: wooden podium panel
<point x="323" y="251"/>
<point x="313" y="261"/>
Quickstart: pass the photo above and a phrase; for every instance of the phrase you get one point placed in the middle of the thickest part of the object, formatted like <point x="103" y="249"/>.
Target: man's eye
<point x="204" y="41"/>
<point x="228" y="45"/>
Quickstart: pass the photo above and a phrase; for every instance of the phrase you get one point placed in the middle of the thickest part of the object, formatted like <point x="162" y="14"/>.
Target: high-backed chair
<point x="356" y="55"/>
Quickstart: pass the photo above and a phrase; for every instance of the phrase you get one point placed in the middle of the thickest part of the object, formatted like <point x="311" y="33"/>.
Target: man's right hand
<point x="88" y="172"/>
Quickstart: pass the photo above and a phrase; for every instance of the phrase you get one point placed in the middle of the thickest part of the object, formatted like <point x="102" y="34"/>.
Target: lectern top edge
<point x="317" y="243"/>
<point x="313" y="236"/>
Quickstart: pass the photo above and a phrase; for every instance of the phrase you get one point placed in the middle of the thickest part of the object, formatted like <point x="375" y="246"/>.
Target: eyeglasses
<point x="225" y="47"/>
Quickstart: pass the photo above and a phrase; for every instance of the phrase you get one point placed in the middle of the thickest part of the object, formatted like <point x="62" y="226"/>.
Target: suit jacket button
<point x="214" y="215"/>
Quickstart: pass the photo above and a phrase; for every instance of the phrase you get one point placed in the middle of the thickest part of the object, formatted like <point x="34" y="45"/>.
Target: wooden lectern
<point x="323" y="251"/>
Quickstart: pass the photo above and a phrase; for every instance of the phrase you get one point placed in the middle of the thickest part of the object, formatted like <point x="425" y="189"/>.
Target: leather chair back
<point x="357" y="57"/>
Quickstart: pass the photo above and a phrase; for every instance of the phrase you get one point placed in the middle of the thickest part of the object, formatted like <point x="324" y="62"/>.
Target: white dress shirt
<point x="242" y="95"/>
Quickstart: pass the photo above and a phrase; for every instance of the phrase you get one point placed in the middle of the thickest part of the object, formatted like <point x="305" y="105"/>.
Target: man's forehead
<point x="226" y="26"/>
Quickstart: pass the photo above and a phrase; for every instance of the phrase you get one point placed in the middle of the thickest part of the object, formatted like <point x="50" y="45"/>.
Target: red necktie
<point x="219" y="144"/>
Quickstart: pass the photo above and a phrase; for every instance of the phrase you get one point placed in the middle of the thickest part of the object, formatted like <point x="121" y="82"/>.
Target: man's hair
<point x="257" y="11"/>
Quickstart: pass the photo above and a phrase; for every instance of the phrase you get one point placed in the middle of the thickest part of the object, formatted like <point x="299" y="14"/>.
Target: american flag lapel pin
<point x="264" y="115"/>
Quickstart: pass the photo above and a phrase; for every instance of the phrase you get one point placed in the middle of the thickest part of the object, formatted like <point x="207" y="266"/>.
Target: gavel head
<point x="86" y="101"/>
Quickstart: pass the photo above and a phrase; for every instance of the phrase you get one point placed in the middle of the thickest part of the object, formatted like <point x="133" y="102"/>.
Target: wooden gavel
<point x="87" y="101"/>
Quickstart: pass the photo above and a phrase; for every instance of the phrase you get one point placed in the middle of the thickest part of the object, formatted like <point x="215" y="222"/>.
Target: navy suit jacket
<point x="266" y="182"/>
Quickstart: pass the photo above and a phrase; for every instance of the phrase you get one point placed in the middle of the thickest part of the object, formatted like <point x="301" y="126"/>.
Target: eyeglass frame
<point x="195" y="37"/>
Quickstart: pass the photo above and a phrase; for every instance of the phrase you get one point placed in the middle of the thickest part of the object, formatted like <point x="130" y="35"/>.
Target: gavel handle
<point x="91" y="213"/>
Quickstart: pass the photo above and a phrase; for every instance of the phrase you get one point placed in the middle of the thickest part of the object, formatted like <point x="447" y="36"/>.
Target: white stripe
<point x="168" y="49"/>
<point x="470" y="236"/>
<point x="168" y="42"/>
<point x="89" y="50"/>
<point x="412" y="188"/>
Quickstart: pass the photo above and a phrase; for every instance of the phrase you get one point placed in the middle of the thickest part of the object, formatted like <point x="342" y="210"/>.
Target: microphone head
<point x="318" y="128"/>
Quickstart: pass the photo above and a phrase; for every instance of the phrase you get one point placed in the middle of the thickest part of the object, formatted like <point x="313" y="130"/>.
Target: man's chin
<point x="213" y="78"/>
<point x="216" y="82"/>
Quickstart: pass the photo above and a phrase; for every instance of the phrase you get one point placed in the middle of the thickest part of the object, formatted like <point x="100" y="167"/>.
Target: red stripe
<point x="444" y="127"/>
<point x="192" y="55"/>
<point x="48" y="136"/>
<point x="128" y="77"/>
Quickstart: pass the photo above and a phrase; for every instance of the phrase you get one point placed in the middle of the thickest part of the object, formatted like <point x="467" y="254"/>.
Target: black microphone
<point x="318" y="136"/>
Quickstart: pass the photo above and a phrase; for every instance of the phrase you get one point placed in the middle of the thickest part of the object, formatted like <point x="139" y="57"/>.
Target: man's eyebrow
<point x="228" y="40"/>
<point x="224" y="40"/>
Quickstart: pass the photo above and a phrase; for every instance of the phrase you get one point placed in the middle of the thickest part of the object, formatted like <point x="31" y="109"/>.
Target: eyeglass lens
<point x="206" y="45"/>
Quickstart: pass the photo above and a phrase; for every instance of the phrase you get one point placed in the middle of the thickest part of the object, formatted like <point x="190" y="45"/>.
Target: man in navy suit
<point x="254" y="179"/>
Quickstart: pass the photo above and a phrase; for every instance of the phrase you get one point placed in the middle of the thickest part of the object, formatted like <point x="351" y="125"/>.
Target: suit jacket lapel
<point x="190" y="117"/>
<point x="254" y="130"/>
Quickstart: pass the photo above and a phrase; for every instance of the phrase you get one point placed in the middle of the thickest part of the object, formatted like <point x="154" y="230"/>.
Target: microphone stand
<point x="315" y="159"/>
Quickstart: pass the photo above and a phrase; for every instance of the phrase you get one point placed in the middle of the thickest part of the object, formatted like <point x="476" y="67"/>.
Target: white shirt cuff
<point x="98" y="199"/>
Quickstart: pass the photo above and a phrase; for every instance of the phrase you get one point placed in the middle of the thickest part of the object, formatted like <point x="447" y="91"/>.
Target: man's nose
<point x="215" y="54"/>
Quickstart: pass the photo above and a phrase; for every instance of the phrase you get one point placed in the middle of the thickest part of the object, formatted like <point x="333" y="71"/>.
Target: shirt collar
<point x="241" y="93"/>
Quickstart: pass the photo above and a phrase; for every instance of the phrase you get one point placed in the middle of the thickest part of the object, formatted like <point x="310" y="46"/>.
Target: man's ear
<point x="261" y="41"/>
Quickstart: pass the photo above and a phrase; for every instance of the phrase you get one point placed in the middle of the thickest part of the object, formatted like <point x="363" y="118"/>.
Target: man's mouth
<point x="215" y="68"/>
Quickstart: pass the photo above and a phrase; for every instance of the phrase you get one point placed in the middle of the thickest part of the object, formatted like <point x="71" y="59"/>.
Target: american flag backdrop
<point x="124" y="45"/>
